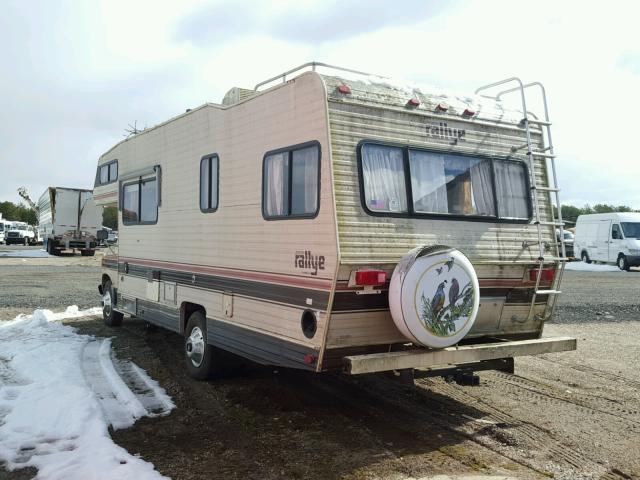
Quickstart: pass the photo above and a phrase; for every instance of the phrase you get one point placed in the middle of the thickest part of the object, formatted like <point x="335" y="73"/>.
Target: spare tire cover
<point x="434" y="296"/>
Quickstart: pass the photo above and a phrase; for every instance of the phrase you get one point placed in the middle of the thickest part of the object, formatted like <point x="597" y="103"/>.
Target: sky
<point x="75" y="75"/>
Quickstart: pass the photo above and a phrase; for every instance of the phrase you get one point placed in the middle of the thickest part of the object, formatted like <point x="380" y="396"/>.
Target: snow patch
<point x="591" y="267"/>
<point x="56" y="420"/>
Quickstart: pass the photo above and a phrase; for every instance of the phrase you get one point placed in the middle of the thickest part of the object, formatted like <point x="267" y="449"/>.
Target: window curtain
<point x="511" y="189"/>
<point x="428" y="183"/>
<point x="275" y="190"/>
<point x="481" y="186"/>
<point x="304" y="194"/>
<point x="383" y="176"/>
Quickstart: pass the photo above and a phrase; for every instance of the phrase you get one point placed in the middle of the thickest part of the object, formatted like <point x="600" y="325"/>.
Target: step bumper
<point x="456" y="355"/>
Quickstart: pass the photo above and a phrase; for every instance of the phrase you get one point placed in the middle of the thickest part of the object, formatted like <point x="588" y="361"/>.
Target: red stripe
<point x="317" y="284"/>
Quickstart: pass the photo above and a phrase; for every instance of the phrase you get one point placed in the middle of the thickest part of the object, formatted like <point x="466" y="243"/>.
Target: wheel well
<point x="105" y="277"/>
<point x="186" y="309"/>
<point x="620" y="254"/>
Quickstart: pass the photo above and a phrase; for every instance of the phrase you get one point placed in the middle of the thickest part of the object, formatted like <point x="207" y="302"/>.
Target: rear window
<point x="411" y="182"/>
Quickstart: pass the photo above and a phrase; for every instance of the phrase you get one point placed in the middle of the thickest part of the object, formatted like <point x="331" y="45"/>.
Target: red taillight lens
<point x="344" y="89"/>
<point x="546" y="275"/>
<point x="413" y="102"/>
<point x="371" y="277"/>
<point x="468" y="113"/>
<point x="442" y="107"/>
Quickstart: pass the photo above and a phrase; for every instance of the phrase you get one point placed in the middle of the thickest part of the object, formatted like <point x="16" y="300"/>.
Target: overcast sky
<point x="75" y="74"/>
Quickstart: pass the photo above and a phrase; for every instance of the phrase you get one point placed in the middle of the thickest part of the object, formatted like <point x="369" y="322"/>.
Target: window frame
<point x="411" y="213"/>
<point x="108" y="165"/>
<point x="290" y="150"/>
<point x="139" y="182"/>
<point x="209" y="157"/>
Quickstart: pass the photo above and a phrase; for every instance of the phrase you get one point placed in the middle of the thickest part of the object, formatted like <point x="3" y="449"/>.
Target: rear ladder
<point x="547" y="154"/>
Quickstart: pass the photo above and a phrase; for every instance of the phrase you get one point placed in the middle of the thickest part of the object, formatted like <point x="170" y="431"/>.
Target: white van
<point x="610" y="238"/>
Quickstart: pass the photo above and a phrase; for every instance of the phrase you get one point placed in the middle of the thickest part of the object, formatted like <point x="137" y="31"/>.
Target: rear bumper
<point x="633" y="260"/>
<point x="423" y="358"/>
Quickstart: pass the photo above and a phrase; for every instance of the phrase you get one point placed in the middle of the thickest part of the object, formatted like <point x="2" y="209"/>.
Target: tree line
<point x="18" y="213"/>
<point x="571" y="213"/>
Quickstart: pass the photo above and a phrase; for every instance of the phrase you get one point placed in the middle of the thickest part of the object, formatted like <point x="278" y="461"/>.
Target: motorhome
<point x="609" y="238"/>
<point x="2" y="224"/>
<point x="340" y="221"/>
<point x="69" y="220"/>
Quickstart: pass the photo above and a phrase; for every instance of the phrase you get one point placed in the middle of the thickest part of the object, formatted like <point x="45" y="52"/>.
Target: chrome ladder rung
<point x="550" y="224"/>
<point x="545" y="189"/>
<point x="548" y="292"/>
<point x="535" y="122"/>
<point x="540" y="154"/>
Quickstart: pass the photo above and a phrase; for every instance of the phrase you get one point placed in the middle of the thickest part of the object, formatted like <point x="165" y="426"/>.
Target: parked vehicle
<point x="2" y="224"/>
<point x="568" y="242"/>
<point x="21" y="233"/>
<point x="111" y="236"/>
<point x="69" y="220"/>
<point x="609" y="238"/>
<point x="337" y="222"/>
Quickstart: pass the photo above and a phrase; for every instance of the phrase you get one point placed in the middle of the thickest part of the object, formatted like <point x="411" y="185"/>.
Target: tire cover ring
<point x="434" y="296"/>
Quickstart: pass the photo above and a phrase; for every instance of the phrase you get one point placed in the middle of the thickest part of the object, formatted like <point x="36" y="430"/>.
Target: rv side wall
<point x="254" y="277"/>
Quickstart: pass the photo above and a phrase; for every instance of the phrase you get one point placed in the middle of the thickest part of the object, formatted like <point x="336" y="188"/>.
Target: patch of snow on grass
<point x="50" y="417"/>
<point x="591" y="267"/>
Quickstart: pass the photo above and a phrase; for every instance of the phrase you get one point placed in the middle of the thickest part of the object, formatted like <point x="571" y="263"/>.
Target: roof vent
<point x="237" y="95"/>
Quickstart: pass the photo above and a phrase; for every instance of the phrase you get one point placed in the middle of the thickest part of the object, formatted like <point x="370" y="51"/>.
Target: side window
<point x="130" y="203"/>
<point x="113" y="171"/>
<point x="140" y="202"/>
<point x="615" y="232"/>
<point x="104" y="174"/>
<point x="107" y="173"/>
<point x="209" y="167"/>
<point x="290" y="182"/>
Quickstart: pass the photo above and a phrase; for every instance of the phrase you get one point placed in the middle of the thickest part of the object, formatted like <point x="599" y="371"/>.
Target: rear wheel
<point x="110" y="316"/>
<point x="623" y="264"/>
<point x="585" y="257"/>
<point x="26" y="241"/>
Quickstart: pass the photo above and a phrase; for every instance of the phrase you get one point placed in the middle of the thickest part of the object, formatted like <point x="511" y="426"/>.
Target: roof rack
<point x="313" y="66"/>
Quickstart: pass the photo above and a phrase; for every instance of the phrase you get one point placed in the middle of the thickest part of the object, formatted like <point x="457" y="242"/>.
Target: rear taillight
<point x="546" y="275"/>
<point x="371" y="277"/>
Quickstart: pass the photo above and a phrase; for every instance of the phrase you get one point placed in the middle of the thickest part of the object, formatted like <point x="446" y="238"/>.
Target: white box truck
<point x="610" y="238"/>
<point x="69" y="219"/>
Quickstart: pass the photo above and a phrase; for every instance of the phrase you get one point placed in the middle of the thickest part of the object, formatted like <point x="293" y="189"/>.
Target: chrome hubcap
<point x="106" y="301"/>
<point x="195" y="346"/>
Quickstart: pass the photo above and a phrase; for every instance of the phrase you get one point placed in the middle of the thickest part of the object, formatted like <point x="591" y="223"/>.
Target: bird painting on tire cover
<point x="440" y="317"/>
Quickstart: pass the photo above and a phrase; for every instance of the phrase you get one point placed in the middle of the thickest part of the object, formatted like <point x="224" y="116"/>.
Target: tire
<point x="623" y="263"/>
<point x="585" y="257"/>
<point x="201" y="358"/>
<point x="110" y="316"/>
<point x="26" y="242"/>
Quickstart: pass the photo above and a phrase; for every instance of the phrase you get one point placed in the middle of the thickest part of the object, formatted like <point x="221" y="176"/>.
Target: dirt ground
<point x="569" y="415"/>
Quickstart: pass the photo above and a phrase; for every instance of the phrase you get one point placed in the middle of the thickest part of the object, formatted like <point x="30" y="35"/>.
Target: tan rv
<point x="336" y="220"/>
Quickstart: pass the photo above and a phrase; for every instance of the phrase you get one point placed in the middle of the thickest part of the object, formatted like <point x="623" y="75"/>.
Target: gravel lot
<point x="570" y="415"/>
